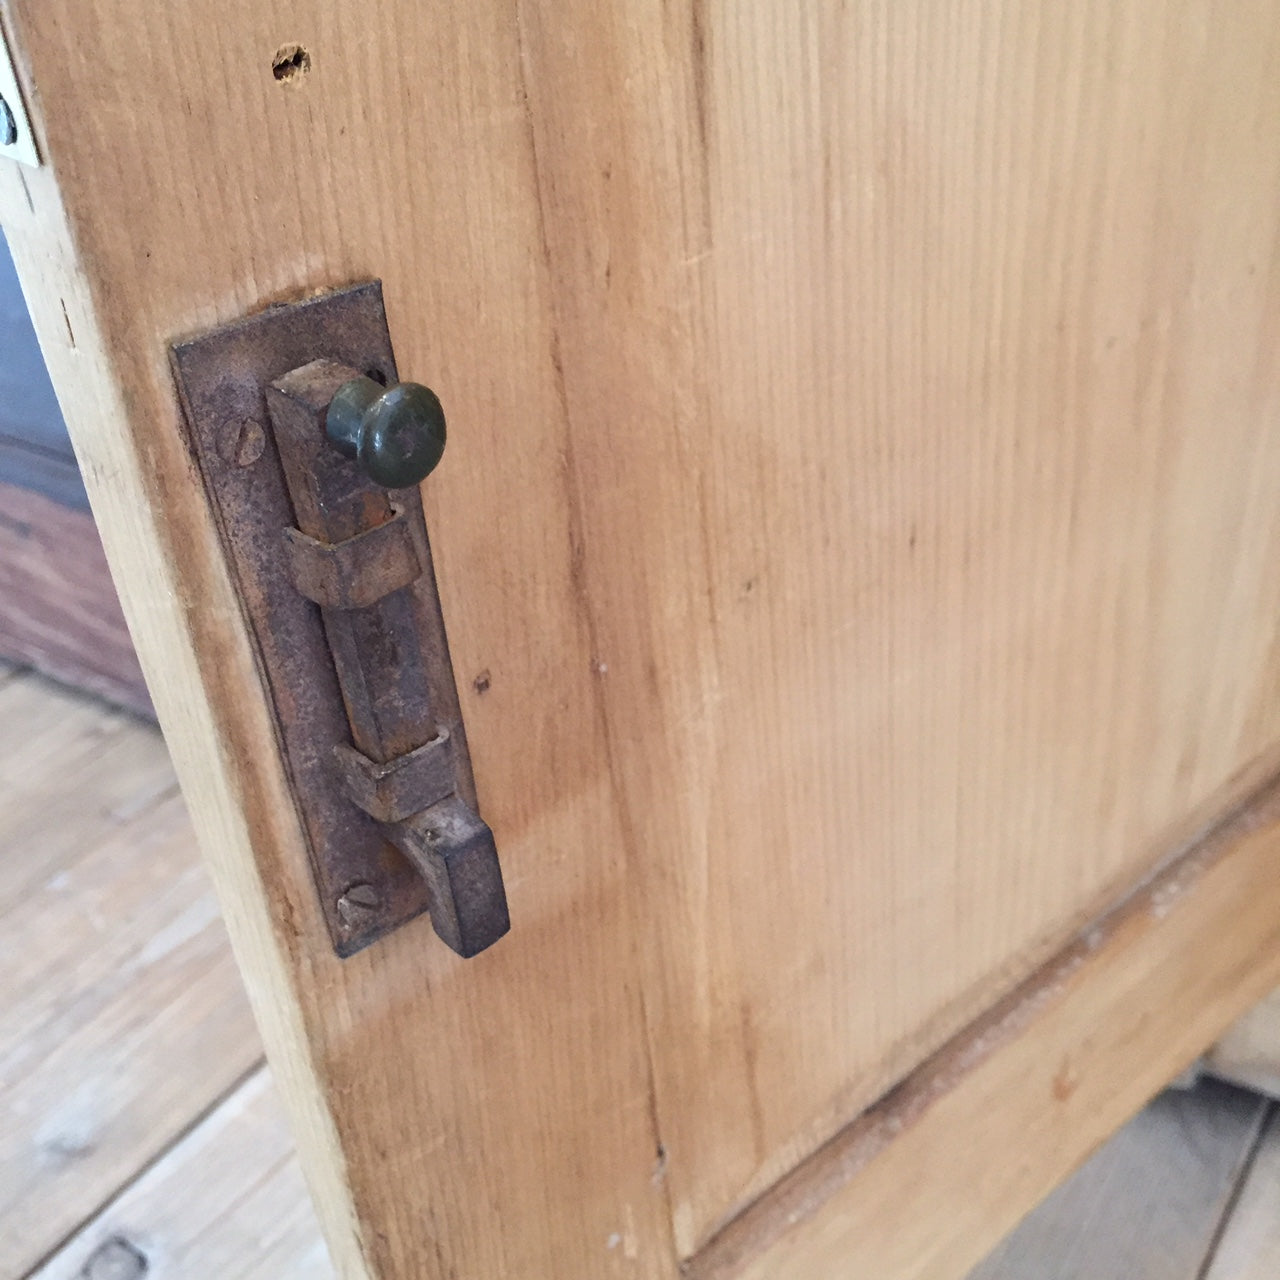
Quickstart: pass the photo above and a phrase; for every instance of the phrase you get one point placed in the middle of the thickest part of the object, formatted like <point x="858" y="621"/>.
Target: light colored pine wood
<point x="1250" y="1244"/>
<point x="859" y="494"/>
<point x="927" y="1183"/>
<point x="228" y="1201"/>
<point x="1148" y="1205"/>
<point x="123" y="1016"/>
<point x="978" y="435"/>
<point x="498" y="1115"/>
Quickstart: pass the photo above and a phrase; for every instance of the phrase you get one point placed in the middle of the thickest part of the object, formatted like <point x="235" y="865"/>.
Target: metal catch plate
<point x="367" y="886"/>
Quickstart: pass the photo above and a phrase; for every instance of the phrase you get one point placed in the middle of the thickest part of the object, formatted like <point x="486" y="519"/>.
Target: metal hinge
<point x="311" y="453"/>
<point x="17" y="141"/>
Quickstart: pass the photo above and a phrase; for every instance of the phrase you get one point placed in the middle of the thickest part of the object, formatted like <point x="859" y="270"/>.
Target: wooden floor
<point x="139" y="1134"/>
<point x="1188" y="1190"/>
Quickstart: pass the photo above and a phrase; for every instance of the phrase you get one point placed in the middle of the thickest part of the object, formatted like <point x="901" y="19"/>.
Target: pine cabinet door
<point x="859" y="542"/>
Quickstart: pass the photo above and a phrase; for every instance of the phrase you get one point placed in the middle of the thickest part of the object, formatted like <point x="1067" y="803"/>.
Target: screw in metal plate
<point x="358" y="906"/>
<point x="241" y="443"/>
<point x="8" y="125"/>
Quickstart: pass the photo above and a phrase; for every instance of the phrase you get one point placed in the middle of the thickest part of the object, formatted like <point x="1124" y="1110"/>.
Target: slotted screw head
<point x="242" y="442"/>
<point x="358" y="906"/>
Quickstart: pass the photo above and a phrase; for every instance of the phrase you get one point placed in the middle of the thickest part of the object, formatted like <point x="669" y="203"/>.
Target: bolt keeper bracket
<point x="360" y="571"/>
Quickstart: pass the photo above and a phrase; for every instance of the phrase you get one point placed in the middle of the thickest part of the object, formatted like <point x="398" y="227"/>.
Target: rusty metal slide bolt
<point x="355" y="555"/>
<point x="297" y="422"/>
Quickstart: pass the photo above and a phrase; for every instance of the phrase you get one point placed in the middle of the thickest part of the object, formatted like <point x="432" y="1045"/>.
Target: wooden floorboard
<point x="228" y="1202"/>
<point x="1250" y="1245"/>
<point x="72" y="772"/>
<point x="123" y="1017"/>
<point x="1249" y="1053"/>
<point x="1149" y="1204"/>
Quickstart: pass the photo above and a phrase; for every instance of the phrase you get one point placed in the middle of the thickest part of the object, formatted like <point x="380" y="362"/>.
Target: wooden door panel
<point x="857" y="539"/>
<point x="917" y="366"/>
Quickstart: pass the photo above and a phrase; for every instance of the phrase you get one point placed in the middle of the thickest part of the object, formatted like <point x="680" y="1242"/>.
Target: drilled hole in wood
<point x="291" y="62"/>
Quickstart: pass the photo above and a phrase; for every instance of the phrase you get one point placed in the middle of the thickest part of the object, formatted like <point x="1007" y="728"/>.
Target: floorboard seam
<point x="1237" y="1189"/>
<point x="145" y="1168"/>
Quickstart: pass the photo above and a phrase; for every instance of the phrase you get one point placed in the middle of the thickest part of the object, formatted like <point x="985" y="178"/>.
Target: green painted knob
<point x="395" y="434"/>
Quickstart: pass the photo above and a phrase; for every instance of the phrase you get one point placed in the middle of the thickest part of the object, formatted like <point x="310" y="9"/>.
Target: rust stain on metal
<point x="360" y="571"/>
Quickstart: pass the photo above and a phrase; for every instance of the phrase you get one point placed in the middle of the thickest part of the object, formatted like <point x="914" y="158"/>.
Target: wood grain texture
<point x="990" y="395"/>
<point x="859" y="496"/>
<point x="228" y="1200"/>
<point x="926" y="1183"/>
<point x="1148" y="1205"/>
<point x="901" y="504"/>
<point x="58" y="607"/>
<point x="1250" y="1245"/>
<point x="123" y="1017"/>
<point x="71" y="774"/>
<point x="507" y="1098"/>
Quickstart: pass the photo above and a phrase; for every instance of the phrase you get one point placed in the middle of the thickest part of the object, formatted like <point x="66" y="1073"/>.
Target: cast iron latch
<point x="311" y="453"/>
